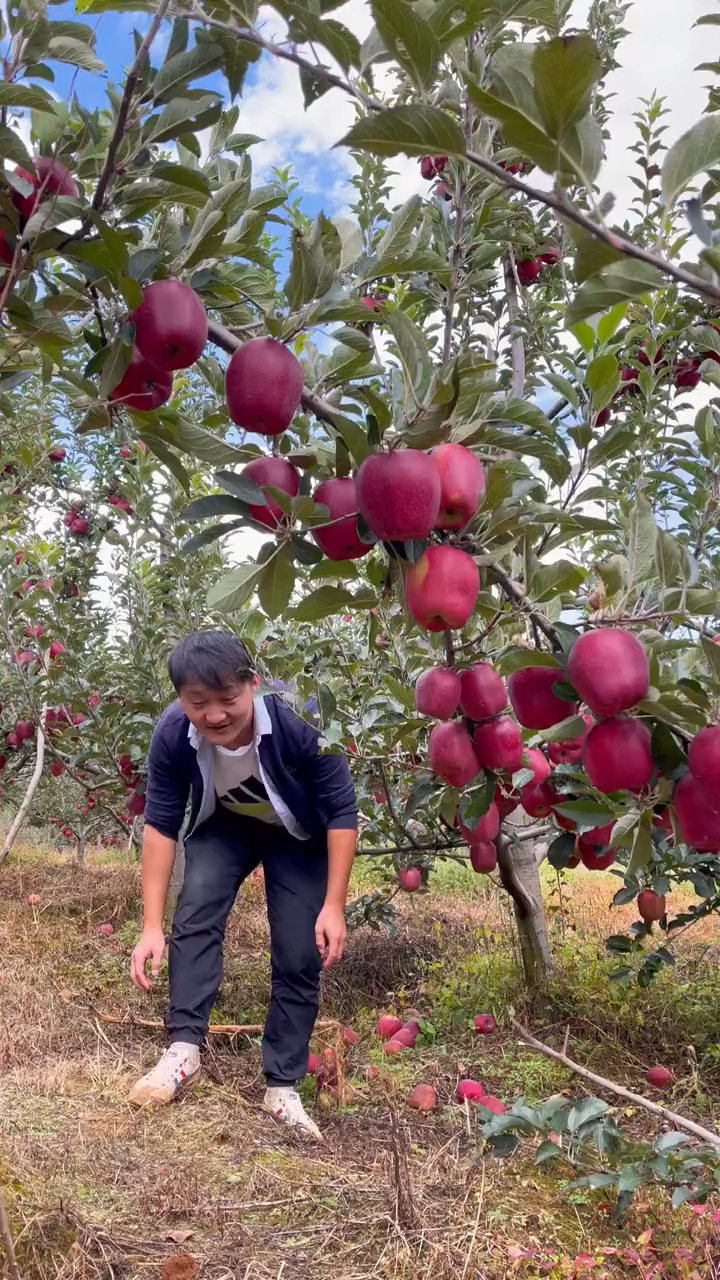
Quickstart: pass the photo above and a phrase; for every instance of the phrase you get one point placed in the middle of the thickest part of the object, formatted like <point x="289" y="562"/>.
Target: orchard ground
<point x="98" y="1191"/>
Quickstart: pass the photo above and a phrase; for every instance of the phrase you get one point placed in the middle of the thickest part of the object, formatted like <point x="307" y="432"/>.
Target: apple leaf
<point x="410" y="39"/>
<point x="235" y="588"/>
<point x="276" y="583"/>
<point x="322" y="603"/>
<point x="191" y="64"/>
<point x="695" y="152"/>
<point x="21" y="95"/>
<point x="66" y="49"/>
<point x="565" y="730"/>
<point x="565" y="71"/>
<point x="413" y="131"/>
<point x="621" y="280"/>
<point x="561" y="850"/>
<point x="516" y="659"/>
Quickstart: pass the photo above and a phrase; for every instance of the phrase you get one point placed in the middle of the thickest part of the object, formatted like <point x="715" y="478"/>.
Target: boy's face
<point x="223" y="716"/>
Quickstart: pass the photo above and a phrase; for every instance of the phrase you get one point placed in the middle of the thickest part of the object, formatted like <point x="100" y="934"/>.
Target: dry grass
<point x="97" y="1191"/>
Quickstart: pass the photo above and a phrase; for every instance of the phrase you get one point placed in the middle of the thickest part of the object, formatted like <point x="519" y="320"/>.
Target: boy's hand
<point x="330" y="934"/>
<point x="150" y="947"/>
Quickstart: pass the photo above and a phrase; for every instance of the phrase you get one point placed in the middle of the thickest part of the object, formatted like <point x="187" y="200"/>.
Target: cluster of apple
<point x="432" y="167"/>
<point x="685" y="373"/>
<point x="608" y="669"/>
<point x="403" y="495"/>
<point x="529" y="269"/>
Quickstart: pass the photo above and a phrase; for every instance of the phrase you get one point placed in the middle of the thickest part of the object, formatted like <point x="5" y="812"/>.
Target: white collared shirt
<point x="206" y="762"/>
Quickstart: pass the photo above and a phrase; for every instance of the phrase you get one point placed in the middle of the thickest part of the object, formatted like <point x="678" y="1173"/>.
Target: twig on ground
<point x="7" y="1242"/>
<point x="228" y="1029"/>
<point x="680" y="1122"/>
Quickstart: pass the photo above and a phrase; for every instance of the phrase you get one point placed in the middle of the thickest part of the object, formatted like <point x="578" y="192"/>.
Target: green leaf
<point x="184" y="115"/>
<point x="182" y="67"/>
<point x="322" y="603"/>
<point x="585" y="1110"/>
<point x="573" y="727"/>
<point x="712" y="656"/>
<point x="630" y="1179"/>
<point x="626" y="279"/>
<point x="516" y="659"/>
<point x="565" y="71"/>
<point x="397" y="236"/>
<point x="641" y="855"/>
<point x="235" y="588"/>
<point x="413" y="131"/>
<point x="301" y="284"/>
<point x="13" y="148"/>
<point x="52" y="213"/>
<point x="22" y="95"/>
<point x="603" y="378"/>
<point x="65" y="49"/>
<point x="695" y="152"/>
<point x="410" y="39"/>
<point x="214" y="504"/>
<point x="412" y="349"/>
<point x="561" y="850"/>
<point x="551" y="580"/>
<point x="241" y="486"/>
<point x="116" y="362"/>
<point x="179" y="175"/>
<point x="586" y="813"/>
<point x="642" y="539"/>
<point x="541" y="13"/>
<point x="671" y="560"/>
<point x="276" y="583"/>
<point x="336" y="38"/>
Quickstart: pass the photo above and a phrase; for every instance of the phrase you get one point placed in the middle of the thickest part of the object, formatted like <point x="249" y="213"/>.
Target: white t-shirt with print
<point x="239" y="786"/>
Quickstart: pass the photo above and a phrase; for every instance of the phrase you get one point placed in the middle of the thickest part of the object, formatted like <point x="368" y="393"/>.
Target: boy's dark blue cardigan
<point x="316" y="788"/>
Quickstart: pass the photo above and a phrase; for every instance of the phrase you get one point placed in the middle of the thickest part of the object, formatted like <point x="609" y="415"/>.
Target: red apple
<point x="688" y="375"/>
<point x="592" y="858"/>
<point x="437" y="693"/>
<point x="7" y="254"/>
<point x="340" y="541"/>
<point x="629" y="381"/>
<point x="493" y="1104"/>
<point x="56" y="648"/>
<point x="651" y="905"/>
<point x="392" y="1047"/>
<point x="529" y="269"/>
<point x="52" y="176"/>
<point x="482" y="692"/>
<point x="278" y="472"/>
<point x="410" y="879"/>
<point x="143" y="387"/>
<point x="442" y="587"/>
<point x="314" y="1064"/>
<point x="263" y="386"/>
<point x="499" y="745"/>
<point x="57" y="455"/>
<point x="422" y="1098"/>
<point x="698" y="814"/>
<point x="398" y="494"/>
<point x="539" y="765"/>
<point x="599" y="835"/>
<point x="486" y="829"/>
<point x="506" y="804"/>
<point x="405" y="1037"/>
<point x="462" y="485"/>
<point x="533" y="700"/>
<point x="610" y="670"/>
<point x="469" y="1090"/>
<point x="617" y="756"/>
<point x="451" y="755"/>
<point x="550" y="253"/>
<point x="483" y="857"/>
<point x="57" y="768"/>
<point x="136" y="804"/>
<point x="350" y="1036"/>
<point x="25" y="730"/>
<point x="387" y="1026"/>
<point x="538" y="799"/>
<point x="659" y="1077"/>
<point x="704" y="758"/>
<point x="603" y="417"/>
<point x="106" y="930"/>
<point x="171" y="325"/>
<point x="485" y="1024"/>
<point x="427" y="168"/>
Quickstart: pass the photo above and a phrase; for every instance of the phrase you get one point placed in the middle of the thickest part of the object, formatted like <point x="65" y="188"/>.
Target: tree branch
<point x="525" y="904"/>
<point x="680" y="1122"/>
<point x="548" y="198"/>
<point x="7" y="1241"/>
<point x="515" y="593"/>
<point x="108" y="169"/>
<point x="517" y="346"/>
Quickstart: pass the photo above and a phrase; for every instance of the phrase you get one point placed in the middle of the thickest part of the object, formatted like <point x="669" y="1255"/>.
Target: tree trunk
<point x="520" y="875"/>
<point x="81" y="852"/>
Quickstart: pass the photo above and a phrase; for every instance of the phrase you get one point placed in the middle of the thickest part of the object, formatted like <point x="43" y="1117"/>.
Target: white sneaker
<point x="177" y="1070"/>
<point x="285" y="1105"/>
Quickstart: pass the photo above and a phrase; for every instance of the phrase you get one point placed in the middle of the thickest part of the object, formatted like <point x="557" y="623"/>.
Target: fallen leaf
<point x="178" y="1237"/>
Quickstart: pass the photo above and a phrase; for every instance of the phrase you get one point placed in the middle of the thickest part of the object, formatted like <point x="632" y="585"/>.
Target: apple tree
<point x="464" y="425"/>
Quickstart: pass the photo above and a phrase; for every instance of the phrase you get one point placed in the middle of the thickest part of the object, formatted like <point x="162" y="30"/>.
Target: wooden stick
<point x="680" y="1122"/>
<point x="13" y="1269"/>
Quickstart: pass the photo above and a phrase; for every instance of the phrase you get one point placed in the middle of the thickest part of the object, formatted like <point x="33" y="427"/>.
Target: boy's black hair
<point x="213" y="658"/>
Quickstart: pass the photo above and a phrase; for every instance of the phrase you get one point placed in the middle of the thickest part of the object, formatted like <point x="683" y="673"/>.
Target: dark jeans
<point x="218" y="857"/>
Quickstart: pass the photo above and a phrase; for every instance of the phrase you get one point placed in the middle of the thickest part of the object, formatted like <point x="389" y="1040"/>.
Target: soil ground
<point x="213" y="1188"/>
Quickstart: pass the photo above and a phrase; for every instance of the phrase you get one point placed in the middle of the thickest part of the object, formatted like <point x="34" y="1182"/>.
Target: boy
<point x="262" y="793"/>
